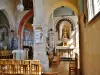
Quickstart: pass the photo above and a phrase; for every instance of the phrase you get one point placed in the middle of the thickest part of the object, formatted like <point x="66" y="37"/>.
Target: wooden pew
<point x="20" y="67"/>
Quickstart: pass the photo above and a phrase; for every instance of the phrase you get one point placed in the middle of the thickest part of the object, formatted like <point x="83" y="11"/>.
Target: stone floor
<point x="62" y="68"/>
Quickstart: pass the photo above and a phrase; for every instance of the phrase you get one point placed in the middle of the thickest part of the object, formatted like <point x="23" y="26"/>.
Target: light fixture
<point x="20" y="6"/>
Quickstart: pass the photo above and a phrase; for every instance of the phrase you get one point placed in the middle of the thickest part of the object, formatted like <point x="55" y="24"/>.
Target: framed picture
<point x="39" y="35"/>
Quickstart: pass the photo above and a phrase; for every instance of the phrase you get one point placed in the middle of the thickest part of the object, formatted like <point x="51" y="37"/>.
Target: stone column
<point x="39" y="49"/>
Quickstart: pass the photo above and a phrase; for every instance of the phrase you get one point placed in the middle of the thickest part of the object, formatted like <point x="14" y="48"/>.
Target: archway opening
<point x="26" y="32"/>
<point x="66" y="33"/>
<point x="23" y="22"/>
<point x="28" y="37"/>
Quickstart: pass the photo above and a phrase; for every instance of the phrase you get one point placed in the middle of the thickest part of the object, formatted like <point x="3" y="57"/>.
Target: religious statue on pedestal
<point x="64" y="36"/>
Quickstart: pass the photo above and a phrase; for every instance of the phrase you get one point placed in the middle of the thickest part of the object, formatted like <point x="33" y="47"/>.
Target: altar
<point x="65" y="52"/>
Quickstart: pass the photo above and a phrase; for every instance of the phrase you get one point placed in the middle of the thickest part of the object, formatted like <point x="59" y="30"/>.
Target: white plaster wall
<point x="50" y="22"/>
<point x="2" y="4"/>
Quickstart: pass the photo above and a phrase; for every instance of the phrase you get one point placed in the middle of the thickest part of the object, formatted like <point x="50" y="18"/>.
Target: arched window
<point x="93" y="7"/>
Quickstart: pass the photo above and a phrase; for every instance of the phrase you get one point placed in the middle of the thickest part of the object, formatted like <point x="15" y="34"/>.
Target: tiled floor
<point x="62" y="68"/>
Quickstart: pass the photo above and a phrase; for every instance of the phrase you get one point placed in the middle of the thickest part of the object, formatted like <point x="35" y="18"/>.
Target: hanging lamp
<point x="20" y="6"/>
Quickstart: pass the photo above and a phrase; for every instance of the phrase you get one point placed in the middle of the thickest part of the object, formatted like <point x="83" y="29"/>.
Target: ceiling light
<point x="20" y="6"/>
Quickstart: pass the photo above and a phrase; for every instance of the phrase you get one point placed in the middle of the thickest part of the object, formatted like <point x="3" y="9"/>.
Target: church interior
<point x="49" y="37"/>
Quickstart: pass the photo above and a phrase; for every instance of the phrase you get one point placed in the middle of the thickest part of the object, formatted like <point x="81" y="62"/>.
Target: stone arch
<point x="24" y="21"/>
<point x="66" y="4"/>
<point x="9" y="17"/>
<point x="59" y="4"/>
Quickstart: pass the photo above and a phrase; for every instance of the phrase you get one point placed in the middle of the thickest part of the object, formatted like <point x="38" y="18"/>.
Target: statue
<point x="64" y="36"/>
<point x="64" y="33"/>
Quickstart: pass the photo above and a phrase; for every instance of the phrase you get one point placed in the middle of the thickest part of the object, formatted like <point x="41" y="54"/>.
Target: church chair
<point x="35" y="61"/>
<point x="25" y="66"/>
<point x="17" y="66"/>
<point x="2" y="66"/>
<point x="73" y="66"/>
<point x="35" y="69"/>
<point x="12" y="65"/>
<point x="35" y="66"/>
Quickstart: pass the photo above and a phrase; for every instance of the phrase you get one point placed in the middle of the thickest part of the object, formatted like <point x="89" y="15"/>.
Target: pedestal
<point x="20" y="54"/>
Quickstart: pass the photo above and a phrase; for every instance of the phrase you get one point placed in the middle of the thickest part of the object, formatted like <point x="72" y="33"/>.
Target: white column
<point x="39" y="49"/>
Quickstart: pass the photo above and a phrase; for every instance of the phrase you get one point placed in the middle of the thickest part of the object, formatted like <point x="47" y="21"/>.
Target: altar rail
<point x="20" y="67"/>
